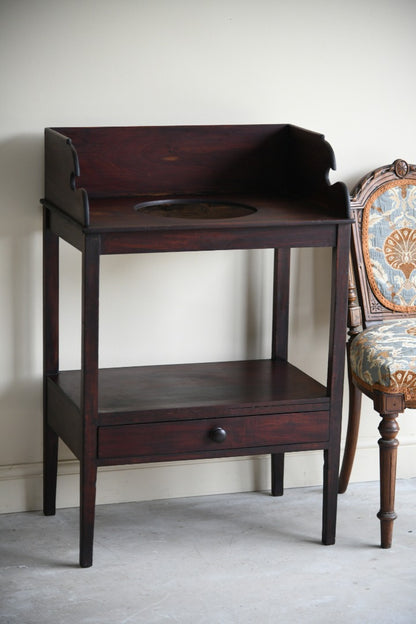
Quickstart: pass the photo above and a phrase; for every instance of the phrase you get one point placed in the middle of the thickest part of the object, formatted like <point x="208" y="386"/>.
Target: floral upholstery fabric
<point x="383" y="357"/>
<point x="389" y="245"/>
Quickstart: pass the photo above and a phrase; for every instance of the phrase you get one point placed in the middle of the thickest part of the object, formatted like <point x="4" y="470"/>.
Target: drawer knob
<point x="218" y="434"/>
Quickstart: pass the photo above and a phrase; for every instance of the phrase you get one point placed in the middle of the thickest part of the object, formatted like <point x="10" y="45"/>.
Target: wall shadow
<point x="21" y="183"/>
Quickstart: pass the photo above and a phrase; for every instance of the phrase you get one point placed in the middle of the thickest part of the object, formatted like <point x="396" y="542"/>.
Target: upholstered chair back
<point x="384" y="242"/>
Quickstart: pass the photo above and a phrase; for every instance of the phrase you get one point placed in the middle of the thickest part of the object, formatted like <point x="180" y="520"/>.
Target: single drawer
<point x="180" y="436"/>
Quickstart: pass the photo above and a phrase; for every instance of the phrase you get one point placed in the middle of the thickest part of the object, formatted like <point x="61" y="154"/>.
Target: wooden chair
<point x="382" y="317"/>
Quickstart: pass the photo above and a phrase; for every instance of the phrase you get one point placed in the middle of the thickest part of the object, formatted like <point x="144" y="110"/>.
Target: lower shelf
<point x="157" y="413"/>
<point x="204" y="390"/>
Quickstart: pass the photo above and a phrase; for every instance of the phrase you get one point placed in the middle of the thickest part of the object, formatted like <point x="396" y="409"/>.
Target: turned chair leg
<point x="388" y="444"/>
<point x="352" y="435"/>
<point x="278" y="468"/>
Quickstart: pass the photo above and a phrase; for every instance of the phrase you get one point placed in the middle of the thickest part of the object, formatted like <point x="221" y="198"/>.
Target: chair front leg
<point x="389" y="428"/>
<point x="389" y="406"/>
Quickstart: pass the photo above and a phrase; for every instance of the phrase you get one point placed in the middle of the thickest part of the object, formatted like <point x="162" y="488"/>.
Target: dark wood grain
<point x="260" y="160"/>
<point x="181" y="391"/>
<point x="175" y="159"/>
<point x="50" y="360"/>
<point x="61" y="174"/>
<point x="194" y="239"/>
<point x="180" y="437"/>
<point x="119" y="214"/>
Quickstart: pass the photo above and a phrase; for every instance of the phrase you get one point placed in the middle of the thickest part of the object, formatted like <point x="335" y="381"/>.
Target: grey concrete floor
<point x="228" y="559"/>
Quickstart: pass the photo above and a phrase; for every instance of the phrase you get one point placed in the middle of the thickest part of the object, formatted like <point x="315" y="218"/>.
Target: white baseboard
<point x="21" y="485"/>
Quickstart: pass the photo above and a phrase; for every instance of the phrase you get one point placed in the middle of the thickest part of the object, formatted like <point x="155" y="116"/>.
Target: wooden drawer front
<point x="164" y="438"/>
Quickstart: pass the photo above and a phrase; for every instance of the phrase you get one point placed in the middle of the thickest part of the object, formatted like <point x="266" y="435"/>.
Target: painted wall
<point x="341" y="68"/>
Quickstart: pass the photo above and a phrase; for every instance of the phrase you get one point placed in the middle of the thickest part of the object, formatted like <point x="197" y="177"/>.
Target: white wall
<point x="341" y="68"/>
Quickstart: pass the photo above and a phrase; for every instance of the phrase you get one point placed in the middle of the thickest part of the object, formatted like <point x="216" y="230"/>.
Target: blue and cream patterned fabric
<point x="383" y="357"/>
<point x="389" y="245"/>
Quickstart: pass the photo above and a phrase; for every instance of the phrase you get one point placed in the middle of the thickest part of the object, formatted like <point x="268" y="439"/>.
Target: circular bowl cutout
<point x="194" y="209"/>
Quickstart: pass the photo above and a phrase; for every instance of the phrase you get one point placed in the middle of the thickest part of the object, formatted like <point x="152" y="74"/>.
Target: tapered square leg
<point x="278" y="468"/>
<point x="89" y="396"/>
<point x="88" y="476"/>
<point x="330" y="496"/>
<point x="50" y="360"/>
<point x="50" y="470"/>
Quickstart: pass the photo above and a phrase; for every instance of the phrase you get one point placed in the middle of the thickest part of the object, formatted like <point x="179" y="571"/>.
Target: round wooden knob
<point x="218" y="434"/>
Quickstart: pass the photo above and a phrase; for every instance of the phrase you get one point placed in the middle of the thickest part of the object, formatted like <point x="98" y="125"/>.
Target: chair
<point x="381" y="348"/>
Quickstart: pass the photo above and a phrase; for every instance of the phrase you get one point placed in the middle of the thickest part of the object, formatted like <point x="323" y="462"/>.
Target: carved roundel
<point x="401" y="168"/>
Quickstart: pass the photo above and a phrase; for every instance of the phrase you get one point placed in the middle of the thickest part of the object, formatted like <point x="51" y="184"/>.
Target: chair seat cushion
<point x="383" y="357"/>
